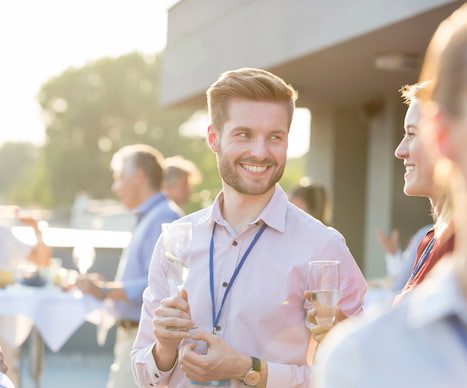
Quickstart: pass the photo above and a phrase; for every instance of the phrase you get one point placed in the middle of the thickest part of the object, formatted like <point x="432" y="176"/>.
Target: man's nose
<point x="260" y="148"/>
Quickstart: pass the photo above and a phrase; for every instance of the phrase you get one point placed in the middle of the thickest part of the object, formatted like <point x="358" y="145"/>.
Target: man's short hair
<point x="177" y="167"/>
<point x="140" y="156"/>
<point x="250" y="84"/>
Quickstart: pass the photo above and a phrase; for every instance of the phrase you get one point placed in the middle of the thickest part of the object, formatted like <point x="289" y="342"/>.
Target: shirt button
<point x="225" y="284"/>
<point x="235" y="243"/>
<point x="156" y="375"/>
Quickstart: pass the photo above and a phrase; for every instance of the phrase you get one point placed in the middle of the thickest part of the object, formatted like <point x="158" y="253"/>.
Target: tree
<point x="17" y="161"/>
<point x="93" y="111"/>
<point x="90" y="113"/>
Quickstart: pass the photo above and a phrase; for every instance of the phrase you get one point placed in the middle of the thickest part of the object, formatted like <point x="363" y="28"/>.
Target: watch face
<point x="252" y="377"/>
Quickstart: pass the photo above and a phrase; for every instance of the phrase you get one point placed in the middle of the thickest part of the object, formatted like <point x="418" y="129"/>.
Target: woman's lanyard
<point x="423" y="259"/>
<point x="215" y="317"/>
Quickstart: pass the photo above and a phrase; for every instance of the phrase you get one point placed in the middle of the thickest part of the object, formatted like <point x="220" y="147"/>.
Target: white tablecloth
<point x="55" y="314"/>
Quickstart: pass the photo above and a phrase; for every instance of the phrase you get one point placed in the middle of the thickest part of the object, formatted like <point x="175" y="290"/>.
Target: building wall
<point x="213" y="37"/>
<point x="379" y="189"/>
<point x="337" y="159"/>
<point x="357" y="114"/>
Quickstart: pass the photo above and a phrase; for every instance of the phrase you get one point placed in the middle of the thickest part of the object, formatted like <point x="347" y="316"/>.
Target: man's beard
<point x="257" y="186"/>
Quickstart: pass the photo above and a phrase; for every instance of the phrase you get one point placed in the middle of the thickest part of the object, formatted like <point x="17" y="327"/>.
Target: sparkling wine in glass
<point x="83" y="257"/>
<point x="176" y="238"/>
<point x="323" y="278"/>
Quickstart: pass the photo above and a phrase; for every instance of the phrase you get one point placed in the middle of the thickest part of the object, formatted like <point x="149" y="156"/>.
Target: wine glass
<point x="176" y="238"/>
<point x="323" y="276"/>
<point x="83" y="257"/>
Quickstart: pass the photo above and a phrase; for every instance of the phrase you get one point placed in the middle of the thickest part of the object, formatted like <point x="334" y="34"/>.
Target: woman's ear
<point x="442" y="135"/>
<point x="212" y="138"/>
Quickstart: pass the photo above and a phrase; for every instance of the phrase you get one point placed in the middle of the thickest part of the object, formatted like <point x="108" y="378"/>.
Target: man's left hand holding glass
<point x="219" y="361"/>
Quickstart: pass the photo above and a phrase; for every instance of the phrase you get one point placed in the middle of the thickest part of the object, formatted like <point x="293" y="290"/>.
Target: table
<point x="51" y="315"/>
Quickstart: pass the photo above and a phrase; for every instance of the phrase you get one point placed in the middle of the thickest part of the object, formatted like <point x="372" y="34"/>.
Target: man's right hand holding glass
<point x="172" y="321"/>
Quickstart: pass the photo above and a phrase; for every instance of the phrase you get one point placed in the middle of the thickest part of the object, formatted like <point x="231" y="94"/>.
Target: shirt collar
<point x="148" y="204"/>
<point x="273" y="213"/>
<point x="437" y="297"/>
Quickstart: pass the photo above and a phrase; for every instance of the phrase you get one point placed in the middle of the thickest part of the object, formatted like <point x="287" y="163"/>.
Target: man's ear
<point x="212" y="138"/>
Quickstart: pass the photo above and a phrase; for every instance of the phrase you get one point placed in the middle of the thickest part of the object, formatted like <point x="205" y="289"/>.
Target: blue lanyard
<point x="215" y="317"/>
<point x="423" y="259"/>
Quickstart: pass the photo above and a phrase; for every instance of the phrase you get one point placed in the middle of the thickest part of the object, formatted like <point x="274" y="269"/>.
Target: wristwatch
<point x="253" y="376"/>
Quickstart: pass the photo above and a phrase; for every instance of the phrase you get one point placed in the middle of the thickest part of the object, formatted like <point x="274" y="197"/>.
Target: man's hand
<point x="319" y="332"/>
<point x="390" y="243"/>
<point x="90" y="284"/>
<point x="219" y="362"/>
<point x="172" y="320"/>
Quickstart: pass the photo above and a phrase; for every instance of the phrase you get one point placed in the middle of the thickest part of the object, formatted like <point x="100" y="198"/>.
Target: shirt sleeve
<point x="353" y="286"/>
<point x="134" y="288"/>
<point x="281" y="375"/>
<point x="144" y="366"/>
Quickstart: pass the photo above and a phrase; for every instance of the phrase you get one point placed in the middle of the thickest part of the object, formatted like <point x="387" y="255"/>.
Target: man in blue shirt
<point x="138" y="173"/>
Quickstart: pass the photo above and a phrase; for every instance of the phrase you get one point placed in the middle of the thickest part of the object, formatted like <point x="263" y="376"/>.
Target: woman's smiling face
<point x="418" y="160"/>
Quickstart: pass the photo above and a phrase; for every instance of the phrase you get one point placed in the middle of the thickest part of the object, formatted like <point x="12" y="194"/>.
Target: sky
<point x="41" y="39"/>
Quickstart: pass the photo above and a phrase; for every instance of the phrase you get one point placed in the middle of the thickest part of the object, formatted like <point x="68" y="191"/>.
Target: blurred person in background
<point x="399" y="263"/>
<point x="421" y="341"/>
<point x="313" y="199"/>
<point x="180" y="177"/>
<point x="138" y="174"/>
<point x="13" y="252"/>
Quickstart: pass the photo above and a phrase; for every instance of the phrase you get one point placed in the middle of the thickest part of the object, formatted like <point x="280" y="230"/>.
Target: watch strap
<point x="255" y="364"/>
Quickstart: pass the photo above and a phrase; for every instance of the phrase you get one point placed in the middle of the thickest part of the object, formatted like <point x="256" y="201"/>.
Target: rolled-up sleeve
<point x="144" y="367"/>
<point x="281" y="375"/>
<point x="353" y="286"/>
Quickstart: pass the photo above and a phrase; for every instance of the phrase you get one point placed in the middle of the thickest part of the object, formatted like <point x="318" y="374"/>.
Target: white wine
<point x="178" y="271"/>
<point x="325" y="303"/>
<point x="327" y="297"/>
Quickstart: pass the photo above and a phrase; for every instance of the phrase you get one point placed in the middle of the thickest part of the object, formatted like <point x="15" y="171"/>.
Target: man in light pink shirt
<point x="251" y="248"/>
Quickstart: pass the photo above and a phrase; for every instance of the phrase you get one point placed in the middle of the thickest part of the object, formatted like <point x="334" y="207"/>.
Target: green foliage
<point x="293" y="172"/>
<point x="95" y="110"/>
<point x="30" y="189"/>
<point x="17" y="162"/>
